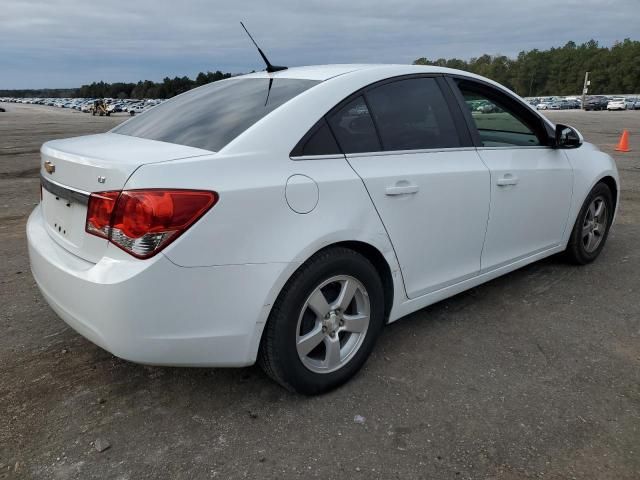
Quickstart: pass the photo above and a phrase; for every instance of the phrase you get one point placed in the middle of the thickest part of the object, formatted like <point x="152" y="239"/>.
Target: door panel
<point x="531" y="183"/>
<point x="531" y="192"/>
<point x="435" y="207"/>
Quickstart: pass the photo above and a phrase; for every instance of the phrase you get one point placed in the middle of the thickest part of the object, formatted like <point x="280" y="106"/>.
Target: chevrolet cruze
<point x="286" y="217"/>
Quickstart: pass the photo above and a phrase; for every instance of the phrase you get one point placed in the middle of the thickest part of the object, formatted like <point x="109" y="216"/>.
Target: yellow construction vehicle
<point x="100" y="108"/>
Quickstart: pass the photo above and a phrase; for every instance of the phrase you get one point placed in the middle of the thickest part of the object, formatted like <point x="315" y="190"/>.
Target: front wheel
<point x="591" y="229"/>
<point x="325" y="322"/>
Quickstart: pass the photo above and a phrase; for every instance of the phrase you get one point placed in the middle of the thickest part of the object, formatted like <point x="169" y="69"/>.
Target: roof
<point x="324" y="72"/>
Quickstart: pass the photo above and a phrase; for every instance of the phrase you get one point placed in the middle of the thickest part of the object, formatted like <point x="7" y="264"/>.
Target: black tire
<point x="577" y="252"/>
<point x="278" y="355"/>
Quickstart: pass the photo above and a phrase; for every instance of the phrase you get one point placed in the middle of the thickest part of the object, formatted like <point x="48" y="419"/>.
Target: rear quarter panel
<point x="252" y="222"/>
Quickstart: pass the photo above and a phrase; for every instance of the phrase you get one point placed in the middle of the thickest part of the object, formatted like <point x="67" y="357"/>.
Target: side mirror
<point x="567" y="137"/>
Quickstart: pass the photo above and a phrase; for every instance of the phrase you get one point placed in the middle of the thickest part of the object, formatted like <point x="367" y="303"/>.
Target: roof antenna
<point x="270" y="68"/>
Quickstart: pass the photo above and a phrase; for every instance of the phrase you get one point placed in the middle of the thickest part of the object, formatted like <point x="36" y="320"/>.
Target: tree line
<point x="559" y="71"/>
<point x="168" y="88"/>
<point x="556" y="71"/>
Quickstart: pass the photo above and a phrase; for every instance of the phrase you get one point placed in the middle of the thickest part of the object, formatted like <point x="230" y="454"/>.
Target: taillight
<point x="99" y="212"/>
<point x="143" y="222"/>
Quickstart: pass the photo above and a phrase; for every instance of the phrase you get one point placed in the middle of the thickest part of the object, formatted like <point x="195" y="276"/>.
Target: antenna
<point x="270" y="68"/>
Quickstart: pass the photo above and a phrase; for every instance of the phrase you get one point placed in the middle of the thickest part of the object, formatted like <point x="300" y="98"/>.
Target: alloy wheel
<point x="333" y="324"/>
<point x="594" y="225"/>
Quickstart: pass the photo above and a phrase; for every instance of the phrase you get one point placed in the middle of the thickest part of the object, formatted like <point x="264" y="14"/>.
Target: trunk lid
<point x="73" y="168"/>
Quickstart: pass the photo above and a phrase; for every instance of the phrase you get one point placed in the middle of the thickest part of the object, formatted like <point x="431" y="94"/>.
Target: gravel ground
<point x="533" y="375"/>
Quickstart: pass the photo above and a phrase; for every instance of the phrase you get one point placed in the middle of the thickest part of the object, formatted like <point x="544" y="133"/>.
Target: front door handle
<point x="401" y="188"/>
<point x="507" y="179"/>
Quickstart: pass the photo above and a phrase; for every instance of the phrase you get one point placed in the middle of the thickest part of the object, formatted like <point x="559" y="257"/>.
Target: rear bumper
<point x="153" y="311"/>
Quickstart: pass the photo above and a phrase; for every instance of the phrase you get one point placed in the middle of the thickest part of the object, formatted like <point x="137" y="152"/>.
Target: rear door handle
<point x="508" y="179"/>
<point x="401" y="189"/>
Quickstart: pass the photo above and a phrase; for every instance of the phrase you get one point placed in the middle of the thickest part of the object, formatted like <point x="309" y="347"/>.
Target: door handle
<point x="401" y="188"/>
<point x="508" y="179"/>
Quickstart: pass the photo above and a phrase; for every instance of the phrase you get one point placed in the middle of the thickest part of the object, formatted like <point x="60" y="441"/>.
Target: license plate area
<point x="64" y="217"/>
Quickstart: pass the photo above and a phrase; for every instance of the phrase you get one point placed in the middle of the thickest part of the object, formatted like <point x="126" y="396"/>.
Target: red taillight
<point x="143" y="222"/>
<point x="99" y="212"/>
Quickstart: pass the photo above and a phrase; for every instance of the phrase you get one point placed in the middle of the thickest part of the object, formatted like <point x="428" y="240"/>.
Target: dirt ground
<point x="533" y="375"/>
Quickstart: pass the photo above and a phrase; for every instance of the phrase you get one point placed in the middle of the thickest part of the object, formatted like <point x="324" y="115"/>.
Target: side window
<point x="319" y="141"/>
<point x="412" y="114"/>
<point x="498" y="124"/>
<point x="354" y="129"/>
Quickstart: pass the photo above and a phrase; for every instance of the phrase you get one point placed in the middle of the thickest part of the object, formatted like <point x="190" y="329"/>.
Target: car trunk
<point x="73" y="168"/>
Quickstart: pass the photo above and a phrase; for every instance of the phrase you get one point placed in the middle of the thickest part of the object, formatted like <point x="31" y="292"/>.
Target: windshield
<point x="211" y="116"/>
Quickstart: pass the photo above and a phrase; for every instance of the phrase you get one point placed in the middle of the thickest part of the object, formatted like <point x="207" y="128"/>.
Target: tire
<point x="579" y="250"/>
<point x="292" y="319"/>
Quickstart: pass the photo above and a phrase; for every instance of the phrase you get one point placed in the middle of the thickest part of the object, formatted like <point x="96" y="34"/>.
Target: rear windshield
<point x="211" y="116"/>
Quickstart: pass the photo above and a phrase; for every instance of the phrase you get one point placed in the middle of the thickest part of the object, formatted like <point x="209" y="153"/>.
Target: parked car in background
<point x="136" y="108"/>
<point x="596" y="103"/>
<point x="154" y="242"/>
<point x="543" y="105"/>
<point x="630" y="103"/>
<point x="575" y="104"/>
<point x="617" y="104"/>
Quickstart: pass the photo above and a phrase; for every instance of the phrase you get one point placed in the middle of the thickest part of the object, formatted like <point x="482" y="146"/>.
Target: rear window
<point x="211" y="116"/>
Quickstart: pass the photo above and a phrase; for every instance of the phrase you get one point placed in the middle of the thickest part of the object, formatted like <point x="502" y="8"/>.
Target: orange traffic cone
<point x="623" y="144"/>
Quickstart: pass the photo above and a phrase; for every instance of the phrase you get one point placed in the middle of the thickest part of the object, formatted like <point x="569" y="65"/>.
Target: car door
<point x="531" y="182"/>
<point x="428" y="184"/>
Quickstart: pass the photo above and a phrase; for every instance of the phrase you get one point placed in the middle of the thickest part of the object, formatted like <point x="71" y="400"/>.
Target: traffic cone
<point x="623" y="144"/>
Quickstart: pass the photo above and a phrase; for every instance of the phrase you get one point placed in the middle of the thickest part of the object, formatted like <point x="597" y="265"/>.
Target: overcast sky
<point x="67" y="43"/>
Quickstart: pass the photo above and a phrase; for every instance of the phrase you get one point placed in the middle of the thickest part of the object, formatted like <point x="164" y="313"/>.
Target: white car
<point x="137" y="108"/>
<point x="617" y="104"/>
<point x="286" y="217"/>
<point x="543" y="106"/>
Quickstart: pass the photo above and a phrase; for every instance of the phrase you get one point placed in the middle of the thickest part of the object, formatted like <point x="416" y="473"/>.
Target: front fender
<point x="590" y="166"/>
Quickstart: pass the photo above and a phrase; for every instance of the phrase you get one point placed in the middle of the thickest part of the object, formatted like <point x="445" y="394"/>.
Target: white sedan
<point x="617" y="104"/>
<point x="286" y="217"/>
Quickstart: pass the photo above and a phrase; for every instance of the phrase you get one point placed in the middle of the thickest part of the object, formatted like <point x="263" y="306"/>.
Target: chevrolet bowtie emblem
<point x="49" y="167"/>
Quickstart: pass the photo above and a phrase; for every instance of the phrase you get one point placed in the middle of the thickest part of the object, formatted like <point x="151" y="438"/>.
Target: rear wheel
<point x="325" y="322"/>
<point x="592" y="226"/>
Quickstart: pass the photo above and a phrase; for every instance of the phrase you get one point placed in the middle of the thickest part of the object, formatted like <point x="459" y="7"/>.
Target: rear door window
<point x="319" y="141"/>
<point x="412" y="114"/>
<point x="354" y="128"/>
<point x="211" y="116"/>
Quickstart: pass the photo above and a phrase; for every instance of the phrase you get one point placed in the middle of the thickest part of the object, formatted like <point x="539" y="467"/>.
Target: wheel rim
<point x="594" y="225"/>
<point x="333" y="324"/>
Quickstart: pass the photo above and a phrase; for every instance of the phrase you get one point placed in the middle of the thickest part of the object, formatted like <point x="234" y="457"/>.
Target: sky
<point x="68" y="43"/>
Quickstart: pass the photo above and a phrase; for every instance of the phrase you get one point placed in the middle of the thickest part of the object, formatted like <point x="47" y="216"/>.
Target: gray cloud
<point x="70" y="42"/>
